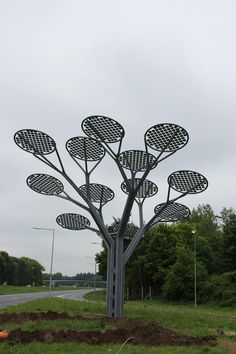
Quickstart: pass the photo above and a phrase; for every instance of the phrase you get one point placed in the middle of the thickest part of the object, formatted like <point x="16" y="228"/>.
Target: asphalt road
<point x="9" y="300"/>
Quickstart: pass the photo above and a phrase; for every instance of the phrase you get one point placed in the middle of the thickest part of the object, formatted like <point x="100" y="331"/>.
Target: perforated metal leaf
<point x="44" y="184"/>
<point x="166" y="137"/>
<point x="73" y="221"/>
<point x="147" y="189"/>
<point x="172" y="212"/>
<point x="187" y="181"/>
<point x="34" y="141"/>
<point x="136" y="160"/>
<point x="130" y="230"/>
<point x="98" y="193"/>
<point x="84" y="148"/>
<point x="103" y="129"/>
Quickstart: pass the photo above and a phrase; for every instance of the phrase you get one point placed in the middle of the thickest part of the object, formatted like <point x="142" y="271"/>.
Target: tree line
<point x="165" y="258"/>
<point x="20" y="271"/>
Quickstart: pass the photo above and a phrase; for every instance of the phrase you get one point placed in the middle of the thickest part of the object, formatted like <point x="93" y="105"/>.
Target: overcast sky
<point x="139" y="62"/>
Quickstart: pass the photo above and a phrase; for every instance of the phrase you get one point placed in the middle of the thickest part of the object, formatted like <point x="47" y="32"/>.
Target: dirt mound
<point x="33" y="316"/>
<point x="150" y="334"/>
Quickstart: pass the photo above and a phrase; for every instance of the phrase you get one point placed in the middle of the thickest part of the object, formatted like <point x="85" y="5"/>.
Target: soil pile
<point x="150" y="334"/>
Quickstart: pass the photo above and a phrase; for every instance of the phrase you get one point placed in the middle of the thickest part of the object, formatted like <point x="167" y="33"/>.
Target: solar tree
<point x="103" y="136"/>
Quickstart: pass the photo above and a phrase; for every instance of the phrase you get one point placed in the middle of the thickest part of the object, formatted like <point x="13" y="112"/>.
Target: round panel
<point x="136" y="160"/>
<point x="73" y="221"/>
<point x="166" y="137"/>
<point x="103" y="129"/>
<point x="187" y="181"/>
<point x="85" y="148"/>
<point x="173" y="212"/>
<point x="130" y="230"/>
<point x="147" y="189"/>
<point x="35" y="142"/>
<point x="44" y="184"/>
<point x="98" y="193"/>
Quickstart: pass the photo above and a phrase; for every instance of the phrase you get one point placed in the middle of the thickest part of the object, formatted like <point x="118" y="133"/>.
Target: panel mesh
<point x="130" y="230"/>
<point x="158" y="137"/>
<point x="73" y="221"/>
<point x="103" y="129"/>
<point x="45" y="184"/>
<point x="85" y="148"/>
<point x="136" y="160"/>
<point x="187" y="181"/>
<point x="98" y="193"/>
<point x="147" y="189"/>
<point x="173" y="212"/>
<point x="35" y="142"/>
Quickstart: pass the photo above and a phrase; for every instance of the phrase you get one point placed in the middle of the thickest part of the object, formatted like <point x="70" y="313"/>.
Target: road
<point x="9" y="300"/>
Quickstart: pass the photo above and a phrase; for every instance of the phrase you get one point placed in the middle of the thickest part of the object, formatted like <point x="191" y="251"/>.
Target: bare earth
<point x="150" y="334"/>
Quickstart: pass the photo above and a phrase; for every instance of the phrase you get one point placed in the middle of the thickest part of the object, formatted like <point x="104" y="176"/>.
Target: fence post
<point x="150" y="292"/>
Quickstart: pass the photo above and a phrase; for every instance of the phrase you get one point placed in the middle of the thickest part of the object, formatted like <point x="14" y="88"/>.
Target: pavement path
<point x="15" y="299"/>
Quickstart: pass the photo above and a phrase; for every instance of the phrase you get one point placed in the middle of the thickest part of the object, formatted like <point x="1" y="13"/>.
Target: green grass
<point x="72" y="307"/>
<point x="57" y="325"/>
<point x="200" y="321"/>
<point x="10" y="289"/>
<point x="75" y="348"/>
<point x="99" y="296"/>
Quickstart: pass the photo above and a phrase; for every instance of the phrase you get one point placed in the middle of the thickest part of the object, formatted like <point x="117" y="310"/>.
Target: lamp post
<point x="95" y="272"/>
<point x="195" y="269"/>
<point x="95" y="276"/>
<point x="52" y="252"/>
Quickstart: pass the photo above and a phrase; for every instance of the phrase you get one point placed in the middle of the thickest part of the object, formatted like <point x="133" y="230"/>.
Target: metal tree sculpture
<point x="134" y="166"/>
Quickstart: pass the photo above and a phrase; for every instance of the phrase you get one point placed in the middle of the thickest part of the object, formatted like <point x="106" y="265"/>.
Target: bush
<point x="221" y="289"/>
<point x="179" y="284"/>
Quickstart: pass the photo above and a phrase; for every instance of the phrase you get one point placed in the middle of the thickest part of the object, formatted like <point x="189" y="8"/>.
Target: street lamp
<point x="95" y="272"/>
<point x="95" y="275"/>
<point x="195" y="269"/>
<point x="53" y="236"/>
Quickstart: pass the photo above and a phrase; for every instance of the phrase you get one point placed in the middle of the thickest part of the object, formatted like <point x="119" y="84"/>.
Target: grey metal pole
<point x="95" y="272"/>
<point x="195" y="269"/>
<point x="120" y="276"/>
<point x="52" y="253"/>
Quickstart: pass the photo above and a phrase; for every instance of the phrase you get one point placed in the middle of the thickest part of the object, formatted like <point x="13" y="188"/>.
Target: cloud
<point x="139" y="63"/>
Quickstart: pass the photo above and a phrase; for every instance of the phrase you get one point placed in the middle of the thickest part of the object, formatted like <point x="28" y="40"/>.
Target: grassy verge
<point x="199" y="321"/>
<point x="9" y="289"/>
<point x="74" y="348"/>
<point x="202" y="321"/>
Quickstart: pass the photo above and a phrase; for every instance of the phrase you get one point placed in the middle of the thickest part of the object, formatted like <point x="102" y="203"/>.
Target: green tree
<point x="209" y="236"/>
<point x="229" y="240"/>
<point x="164" y="258"/>
<point x="3" y="266"/>
<point x="160" y="253"/>
<point x="30" y="271"/>
<point x="179" y="284"/>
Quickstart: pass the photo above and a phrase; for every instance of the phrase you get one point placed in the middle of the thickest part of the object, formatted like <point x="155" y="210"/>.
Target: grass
<point x="10" y="289"/>
<point x="200" y="321"/>
<point x="73" y="348"/>
<point x="57" y="325"/>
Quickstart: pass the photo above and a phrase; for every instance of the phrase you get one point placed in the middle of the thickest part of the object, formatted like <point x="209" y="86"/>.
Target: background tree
<point x="229" y="240"/>
<point x="20" y="271"/>
<point x="164" y="259"/>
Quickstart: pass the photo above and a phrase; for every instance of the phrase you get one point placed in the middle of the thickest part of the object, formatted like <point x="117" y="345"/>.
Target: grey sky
<point x="138" y="62"/>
